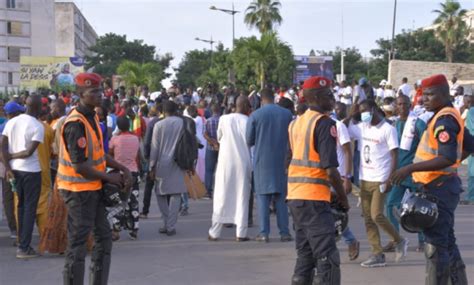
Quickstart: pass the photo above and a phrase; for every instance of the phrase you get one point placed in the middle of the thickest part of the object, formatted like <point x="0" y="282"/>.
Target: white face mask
<point x="366" y="117"/>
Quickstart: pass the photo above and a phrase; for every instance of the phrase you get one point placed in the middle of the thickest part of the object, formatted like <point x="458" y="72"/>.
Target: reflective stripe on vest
<point x="306" y="179"/>
<point x="68" y="178"/>
<point x="428" y="148"/>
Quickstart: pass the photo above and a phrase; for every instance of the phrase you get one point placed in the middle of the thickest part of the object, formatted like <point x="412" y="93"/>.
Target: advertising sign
<point x="307" y="66"/>
<point x="49" y="72"/>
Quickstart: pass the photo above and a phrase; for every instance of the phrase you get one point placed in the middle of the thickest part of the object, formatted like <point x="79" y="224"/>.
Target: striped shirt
<point x="125" y="147"/>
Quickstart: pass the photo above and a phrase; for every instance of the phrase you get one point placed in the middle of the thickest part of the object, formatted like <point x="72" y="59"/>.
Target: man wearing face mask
<point x="443" y="146"/>
<point x="378" y="141"/>
<point x="312" y="171"/>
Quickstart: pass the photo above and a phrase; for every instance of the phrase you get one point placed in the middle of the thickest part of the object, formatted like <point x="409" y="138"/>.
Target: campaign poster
<point x="49" y="72"/>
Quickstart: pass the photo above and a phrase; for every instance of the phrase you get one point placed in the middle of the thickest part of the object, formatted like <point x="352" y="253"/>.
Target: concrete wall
<point x="415" y="70"/>
<point x="42" y="28"/>
<point x="73" y="33"/>
<point x="64" y="29"/>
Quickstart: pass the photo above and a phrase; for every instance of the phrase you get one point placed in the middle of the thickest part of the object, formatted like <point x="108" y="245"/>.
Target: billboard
<point x="49" y="72"/>
<point x="307" y="66"/>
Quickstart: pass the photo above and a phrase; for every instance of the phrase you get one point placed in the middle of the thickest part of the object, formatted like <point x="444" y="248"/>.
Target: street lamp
<point x="211" y="42"/>
<point x="230" y="12"/>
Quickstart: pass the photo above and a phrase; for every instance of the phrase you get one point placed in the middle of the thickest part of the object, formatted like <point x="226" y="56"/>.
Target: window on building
<point x="14" y="54"/>
<point x="11" y="4"/>
<point x="10" y="78"/>
<point x="14" y="28"/>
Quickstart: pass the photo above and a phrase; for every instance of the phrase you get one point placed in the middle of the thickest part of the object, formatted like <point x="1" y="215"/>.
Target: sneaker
<point x="390" y="247"/>
<point x="353" y="250"/>
<point x="171" y="233"/>
<point x="13" y="235"/>
<point x="374" y="261"/>
<point x="262" y="238"/>
<point x="286" y="238"/>
<point x="23" y="254"/>
<point x="401" y="250"/>
<point x="162" y="230"/>
<point x="143" y="216"/>
<point x="242" y="239"/>
<point x="211" y="238"/>
<point x="207" y="197"/>
<point x="184" y="212"/>
<point x="132" y="235"/>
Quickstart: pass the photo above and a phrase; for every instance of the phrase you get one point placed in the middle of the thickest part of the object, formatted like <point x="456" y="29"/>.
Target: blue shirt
<point x="405" y="157"/>
<point x="211" y="129"/>
<point x="267" y="131"/>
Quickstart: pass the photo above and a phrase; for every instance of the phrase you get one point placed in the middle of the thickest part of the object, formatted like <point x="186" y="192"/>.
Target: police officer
<point x="82" y="164"/>
<point x="437" y="158"/>
<point x="312" y="171"/>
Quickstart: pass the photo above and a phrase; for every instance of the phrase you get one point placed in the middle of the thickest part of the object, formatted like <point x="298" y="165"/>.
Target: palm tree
<point x="136" y="74"/>
<point x="263" y="15"/>
<point x="262" y="53"/>
<point x="452" y="30"/>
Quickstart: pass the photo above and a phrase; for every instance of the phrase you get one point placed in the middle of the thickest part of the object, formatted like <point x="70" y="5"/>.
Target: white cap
<point x="142" y="98"/>
<point x="52" y="97"/>
<point x="155" y="95"/>
<point x="224" y="87"/>
<point x="383" y="82"/>
<point x="199" y="89"/>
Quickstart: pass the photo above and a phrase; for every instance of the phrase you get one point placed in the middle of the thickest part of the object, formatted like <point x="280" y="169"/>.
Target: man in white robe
<point x="233" y="174"/>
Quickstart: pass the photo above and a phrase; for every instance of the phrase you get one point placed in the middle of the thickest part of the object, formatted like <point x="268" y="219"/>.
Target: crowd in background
<point x="237" y="154"/>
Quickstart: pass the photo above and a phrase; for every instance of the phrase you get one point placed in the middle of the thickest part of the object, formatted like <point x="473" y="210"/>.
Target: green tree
<point x="195" y="68"/>
<point x="138" y="74"/>
<point x="451" y="29"/>
<point x="354" y="64"/>
<point x="263" y="15"/>
<point x="262" y="60"/>
<point x="111" y="49"/>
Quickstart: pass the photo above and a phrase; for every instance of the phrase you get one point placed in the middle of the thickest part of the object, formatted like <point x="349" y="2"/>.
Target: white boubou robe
<point x="233" y="175"/>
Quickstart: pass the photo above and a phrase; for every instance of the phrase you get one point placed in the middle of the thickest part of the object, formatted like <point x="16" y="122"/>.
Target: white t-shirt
<point x="347" y="91"/>
<point x="405" y="88"/>
<point x="375" y="144"/>
<point x="380" y="93"/>
<point x="342" y="138"/>
<point x="21" y="132"/>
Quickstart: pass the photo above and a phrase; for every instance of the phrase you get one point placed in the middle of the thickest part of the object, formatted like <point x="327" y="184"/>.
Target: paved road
<point x="188" y="258"/>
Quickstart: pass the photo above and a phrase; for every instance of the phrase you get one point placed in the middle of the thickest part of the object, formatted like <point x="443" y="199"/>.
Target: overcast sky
<point x="173" y="25"/>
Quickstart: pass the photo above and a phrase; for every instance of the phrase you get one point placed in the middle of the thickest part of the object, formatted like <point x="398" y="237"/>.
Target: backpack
<point x="186" y="151"/>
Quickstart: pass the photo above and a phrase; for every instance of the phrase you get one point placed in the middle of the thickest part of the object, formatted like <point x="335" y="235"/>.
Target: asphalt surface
<point x="189" y="258"/>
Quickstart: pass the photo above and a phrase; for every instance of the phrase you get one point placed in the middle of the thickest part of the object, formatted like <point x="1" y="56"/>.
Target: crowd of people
<point x="293" y="150"/>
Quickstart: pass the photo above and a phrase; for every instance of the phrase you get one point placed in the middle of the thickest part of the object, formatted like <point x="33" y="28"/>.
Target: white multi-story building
<point x="74" y="35"/>
<point x="26" y="29"/>
<point x="39" y="28"/>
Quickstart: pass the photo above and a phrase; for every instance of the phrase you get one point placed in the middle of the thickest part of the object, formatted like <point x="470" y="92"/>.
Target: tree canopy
<point x="263" y="15"/>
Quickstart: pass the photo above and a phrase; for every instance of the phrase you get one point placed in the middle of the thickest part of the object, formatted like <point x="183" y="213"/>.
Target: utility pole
<point x="392" y="54"/>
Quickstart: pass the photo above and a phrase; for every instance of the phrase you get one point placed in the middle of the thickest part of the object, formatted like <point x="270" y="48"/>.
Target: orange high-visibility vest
<point x="68" y="178"/>
<point x="428" y="148"/>
<point x="306" y="179"/>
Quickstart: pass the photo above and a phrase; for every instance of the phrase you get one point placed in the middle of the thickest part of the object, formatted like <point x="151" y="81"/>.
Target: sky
<point x="173" y="25"/>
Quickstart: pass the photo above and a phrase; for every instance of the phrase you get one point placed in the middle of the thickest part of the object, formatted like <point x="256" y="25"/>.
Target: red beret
<point x="44" y="100"/>
<point x="317" y="82"/>
<point x="88" y="80"/>
<point x="434" y="81"/>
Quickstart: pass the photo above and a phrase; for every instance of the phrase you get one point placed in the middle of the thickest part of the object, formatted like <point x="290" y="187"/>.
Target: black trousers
<point x="28" y="189"/>
<point x="315" y="239"/>
<point x="149" y="184"/>
<point x="86" y="213"/>
<point x="8" y="205"/>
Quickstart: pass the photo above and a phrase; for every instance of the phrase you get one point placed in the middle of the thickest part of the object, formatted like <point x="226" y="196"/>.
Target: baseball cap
<point x="13" y="107"/>
<point x="363" y="81"/>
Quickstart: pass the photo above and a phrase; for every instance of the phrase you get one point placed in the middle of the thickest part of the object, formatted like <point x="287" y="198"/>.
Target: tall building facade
<point x="27" y="28"/>
<point x="74" y="34"/>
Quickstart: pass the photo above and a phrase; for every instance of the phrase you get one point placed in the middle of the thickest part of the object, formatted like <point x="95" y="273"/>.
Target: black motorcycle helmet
<point x="419" y="212"/>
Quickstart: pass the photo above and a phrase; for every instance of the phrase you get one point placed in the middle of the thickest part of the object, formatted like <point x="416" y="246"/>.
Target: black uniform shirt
<point x="325" y="140"/>
<point x="75" y="132"/>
